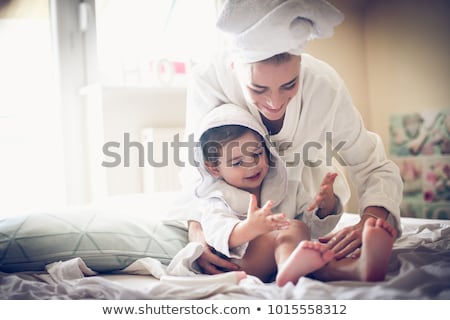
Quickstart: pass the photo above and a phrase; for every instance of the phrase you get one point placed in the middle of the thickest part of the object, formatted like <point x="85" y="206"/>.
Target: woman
<point x="311" y="119"/>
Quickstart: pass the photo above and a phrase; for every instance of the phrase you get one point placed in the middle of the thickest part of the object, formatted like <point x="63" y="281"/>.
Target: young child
<point x="251" y="211"/>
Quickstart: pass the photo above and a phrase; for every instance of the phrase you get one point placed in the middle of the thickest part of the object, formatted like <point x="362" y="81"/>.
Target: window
<point x="48" y="59"/>
<point x="142" y="42"/>
<point x="31" y="159"/>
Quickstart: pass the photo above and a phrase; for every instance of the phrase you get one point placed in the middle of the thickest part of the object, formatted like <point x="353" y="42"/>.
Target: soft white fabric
<point x="223" y="205"/>
<point x="322" y="115"/>
<point x="419" y="269"/>
<point x="182" y="268"/>
<point x="182" y="264"/>
<point x="289" y="24"/>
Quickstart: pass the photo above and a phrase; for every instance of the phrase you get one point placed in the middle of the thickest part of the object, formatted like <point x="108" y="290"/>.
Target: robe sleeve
<point x="377" y="179"/>
<point x="334" y="120"/>
<point x="218" y="222"/>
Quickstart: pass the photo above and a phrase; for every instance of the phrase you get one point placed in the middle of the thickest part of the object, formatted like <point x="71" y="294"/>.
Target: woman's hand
<point x="345" y="242"/>
<point x="209" y="262"/>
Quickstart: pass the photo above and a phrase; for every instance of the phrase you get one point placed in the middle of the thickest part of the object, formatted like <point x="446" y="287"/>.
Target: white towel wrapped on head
<point x="260" y="29"/>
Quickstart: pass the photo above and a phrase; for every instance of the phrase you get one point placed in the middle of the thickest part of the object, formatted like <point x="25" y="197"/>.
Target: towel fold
<point x="260" y="29"/>
<point x="182" y="270"/>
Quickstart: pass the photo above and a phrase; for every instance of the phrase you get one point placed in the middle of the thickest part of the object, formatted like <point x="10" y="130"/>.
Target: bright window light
<point x="136" y="39"/>
<point x="31" y="170"/>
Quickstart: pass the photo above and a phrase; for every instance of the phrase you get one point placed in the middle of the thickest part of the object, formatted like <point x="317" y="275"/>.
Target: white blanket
<point x="419" y="269"/>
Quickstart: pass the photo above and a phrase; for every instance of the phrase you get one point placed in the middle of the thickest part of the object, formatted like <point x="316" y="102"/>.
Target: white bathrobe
<point x="222" y="206"/>
<point x="320" y="118"/>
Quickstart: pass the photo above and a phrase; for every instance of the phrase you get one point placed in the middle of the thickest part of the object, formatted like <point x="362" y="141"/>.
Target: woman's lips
<point x="271" y="110"/>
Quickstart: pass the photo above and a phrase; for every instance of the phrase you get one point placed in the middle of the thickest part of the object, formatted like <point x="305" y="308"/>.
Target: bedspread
<point x="419" y="269"/>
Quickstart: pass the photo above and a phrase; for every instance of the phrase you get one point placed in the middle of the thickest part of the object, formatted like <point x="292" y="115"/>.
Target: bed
<point x="125" y="248"/>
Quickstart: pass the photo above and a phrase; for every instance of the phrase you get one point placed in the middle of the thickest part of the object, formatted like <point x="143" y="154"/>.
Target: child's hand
<point x="262" y="220"/>
<point x="325" y="199"/>
<point x="259" y="221"/>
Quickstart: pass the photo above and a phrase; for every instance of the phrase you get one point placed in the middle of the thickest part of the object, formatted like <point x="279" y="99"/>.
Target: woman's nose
<point x="274" y="100"/>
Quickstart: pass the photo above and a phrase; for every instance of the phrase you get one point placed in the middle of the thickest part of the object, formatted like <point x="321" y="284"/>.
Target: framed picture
<point x="420" y="146"/>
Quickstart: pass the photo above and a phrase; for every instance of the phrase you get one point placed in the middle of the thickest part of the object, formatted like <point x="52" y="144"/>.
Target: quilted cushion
<point x="105" y="243"/>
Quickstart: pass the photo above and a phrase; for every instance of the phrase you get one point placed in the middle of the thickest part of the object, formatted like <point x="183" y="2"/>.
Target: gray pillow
<point x="105" y="243"/>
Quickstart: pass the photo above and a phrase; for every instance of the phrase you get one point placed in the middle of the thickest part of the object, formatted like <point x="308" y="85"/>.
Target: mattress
<point x="419" y="269"/>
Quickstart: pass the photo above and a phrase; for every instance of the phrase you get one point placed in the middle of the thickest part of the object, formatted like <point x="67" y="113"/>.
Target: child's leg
<point x="377" y="242"/>
<point x="297" y="257"/>
<point x="268" y="252"/>
<point x="259" y="258"/>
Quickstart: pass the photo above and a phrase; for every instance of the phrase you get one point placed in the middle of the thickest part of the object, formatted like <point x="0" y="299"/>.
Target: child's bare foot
<point x="377" y="242"/>
<point x="307" y="257"/>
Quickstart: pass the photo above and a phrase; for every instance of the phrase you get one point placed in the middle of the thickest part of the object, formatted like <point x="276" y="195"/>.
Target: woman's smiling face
<point x="270" y="85"/>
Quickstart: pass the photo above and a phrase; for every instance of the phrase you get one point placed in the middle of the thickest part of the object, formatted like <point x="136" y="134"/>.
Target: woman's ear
<point x="212" y="169"/>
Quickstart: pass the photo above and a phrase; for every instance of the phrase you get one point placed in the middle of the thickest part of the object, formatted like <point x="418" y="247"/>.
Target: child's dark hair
<point x="213" y="139"/>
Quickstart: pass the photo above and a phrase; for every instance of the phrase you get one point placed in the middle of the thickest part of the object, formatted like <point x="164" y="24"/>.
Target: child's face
<point x="243" y="163"/>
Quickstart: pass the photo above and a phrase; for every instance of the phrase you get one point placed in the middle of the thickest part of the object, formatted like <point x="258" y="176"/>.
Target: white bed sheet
<point x="419" y="269"/>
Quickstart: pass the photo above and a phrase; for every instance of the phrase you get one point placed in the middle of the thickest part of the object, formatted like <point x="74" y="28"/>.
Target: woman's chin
<point x="273" y="115"/>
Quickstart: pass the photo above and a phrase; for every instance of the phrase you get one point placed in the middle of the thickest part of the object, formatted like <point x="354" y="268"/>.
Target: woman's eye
<point x="257" y="91"/>
<point x="290" y="86"/>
